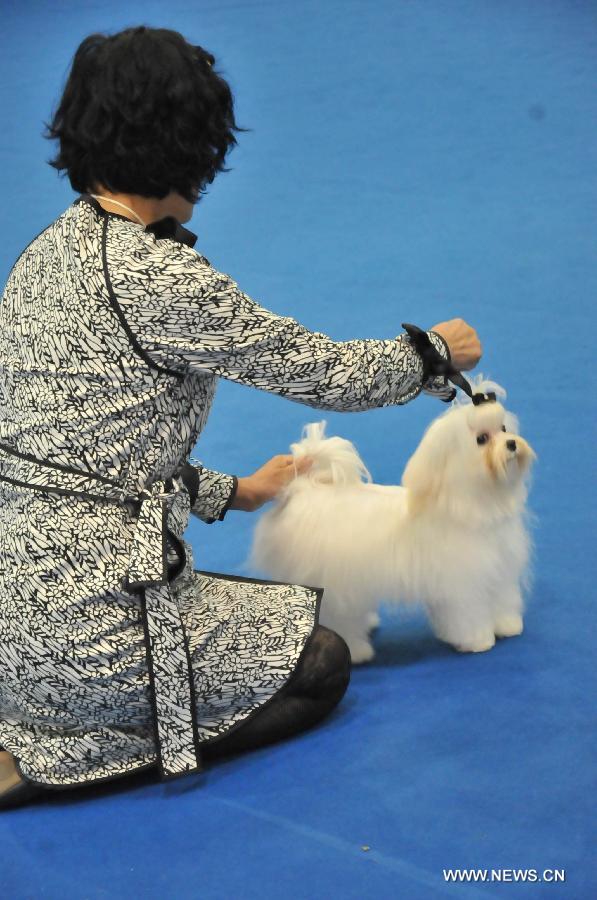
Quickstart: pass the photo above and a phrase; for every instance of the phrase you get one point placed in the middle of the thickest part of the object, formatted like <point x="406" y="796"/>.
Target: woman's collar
<point x="168" y="227"/>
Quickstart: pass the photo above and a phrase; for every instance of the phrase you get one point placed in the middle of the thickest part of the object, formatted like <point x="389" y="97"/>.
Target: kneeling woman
<point x="115" y="653"/>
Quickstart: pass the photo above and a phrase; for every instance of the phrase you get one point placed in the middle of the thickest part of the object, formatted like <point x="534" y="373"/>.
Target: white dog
<point x="452" y="538"/>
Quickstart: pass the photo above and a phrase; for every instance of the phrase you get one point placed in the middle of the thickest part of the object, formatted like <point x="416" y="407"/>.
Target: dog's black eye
<point x="503" y="427"/>
<point x="482" y="438"/>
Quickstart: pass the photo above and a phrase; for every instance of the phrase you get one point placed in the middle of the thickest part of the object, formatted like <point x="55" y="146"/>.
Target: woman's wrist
<point x="245" y="498"/>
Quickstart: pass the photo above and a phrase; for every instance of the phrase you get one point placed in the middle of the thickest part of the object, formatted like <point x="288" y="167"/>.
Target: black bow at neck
<point x="169" y="227"/>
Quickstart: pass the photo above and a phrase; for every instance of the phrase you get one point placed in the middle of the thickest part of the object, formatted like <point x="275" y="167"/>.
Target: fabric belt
<point x="169" y="662"/>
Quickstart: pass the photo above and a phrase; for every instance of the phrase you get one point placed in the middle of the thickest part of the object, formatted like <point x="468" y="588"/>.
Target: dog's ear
<point x="424" y="472"/>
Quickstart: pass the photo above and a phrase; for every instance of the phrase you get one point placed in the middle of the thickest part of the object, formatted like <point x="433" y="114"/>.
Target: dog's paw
<point x="476" y="645"/>
<point x="361" y="651"/>
<point x="508" y="625"/>
<point x="372" y="620"/>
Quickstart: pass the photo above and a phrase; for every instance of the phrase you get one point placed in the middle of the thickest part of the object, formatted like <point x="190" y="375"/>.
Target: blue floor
<point x="409" y="161"/>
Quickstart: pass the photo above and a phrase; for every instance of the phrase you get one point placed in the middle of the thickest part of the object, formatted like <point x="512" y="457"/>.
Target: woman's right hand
<point x="463" y="341"/>
<point x="267" y="482"/>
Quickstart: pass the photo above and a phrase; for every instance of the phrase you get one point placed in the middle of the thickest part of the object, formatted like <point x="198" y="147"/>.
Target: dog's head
<point x="471" y="463"/>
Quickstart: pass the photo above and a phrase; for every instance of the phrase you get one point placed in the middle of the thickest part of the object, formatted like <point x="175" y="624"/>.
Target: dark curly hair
<point x="143" y="112"/>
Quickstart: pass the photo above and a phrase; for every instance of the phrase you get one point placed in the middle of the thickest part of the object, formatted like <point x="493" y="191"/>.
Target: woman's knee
<point x="324" y="668"/>
<point x="314" y="689"/>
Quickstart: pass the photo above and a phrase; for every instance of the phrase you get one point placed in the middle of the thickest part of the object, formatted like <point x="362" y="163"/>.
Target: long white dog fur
<point x="454" y="537"/>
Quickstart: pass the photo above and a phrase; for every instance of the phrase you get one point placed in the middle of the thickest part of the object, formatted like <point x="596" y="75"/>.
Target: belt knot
<point x="148" y="564"/>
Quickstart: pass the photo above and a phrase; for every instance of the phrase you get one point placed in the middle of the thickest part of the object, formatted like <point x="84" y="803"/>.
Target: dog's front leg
<point x="507" y="611"/>
<point x="464" y="620"/>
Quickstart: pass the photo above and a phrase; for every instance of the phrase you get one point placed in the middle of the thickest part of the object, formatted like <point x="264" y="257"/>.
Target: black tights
<point x="314" y="689"/>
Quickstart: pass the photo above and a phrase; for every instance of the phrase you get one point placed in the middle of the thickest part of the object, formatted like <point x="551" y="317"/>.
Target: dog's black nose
<point x="511" y="445"/>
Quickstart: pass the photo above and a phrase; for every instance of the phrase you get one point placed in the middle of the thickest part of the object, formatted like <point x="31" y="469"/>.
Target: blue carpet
<point x="408" y="162"/>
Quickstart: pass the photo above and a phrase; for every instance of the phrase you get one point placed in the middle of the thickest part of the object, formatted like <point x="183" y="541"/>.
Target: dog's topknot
<point x="480" y="385"/>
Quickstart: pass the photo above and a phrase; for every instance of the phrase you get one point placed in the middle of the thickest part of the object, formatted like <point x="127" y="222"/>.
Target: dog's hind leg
<point x="361" y="649"/>
<point x="373" y="621"/>
<point x="352" y="625"/>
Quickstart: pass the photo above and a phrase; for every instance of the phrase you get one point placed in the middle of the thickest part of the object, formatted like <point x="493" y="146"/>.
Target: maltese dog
<point x="452" y="538"/>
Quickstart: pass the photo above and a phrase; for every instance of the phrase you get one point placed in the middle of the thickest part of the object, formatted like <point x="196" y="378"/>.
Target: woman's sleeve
<point x="211" y="493"/>
<point x="439" y="386"/>
<point x="188" y="317"/>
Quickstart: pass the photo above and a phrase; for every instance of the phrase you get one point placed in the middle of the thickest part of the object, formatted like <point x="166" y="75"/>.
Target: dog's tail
<point x="335" y="460"/>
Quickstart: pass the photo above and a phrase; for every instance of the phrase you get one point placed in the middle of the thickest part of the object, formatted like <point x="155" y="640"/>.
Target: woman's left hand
<point x="264" y="484"/>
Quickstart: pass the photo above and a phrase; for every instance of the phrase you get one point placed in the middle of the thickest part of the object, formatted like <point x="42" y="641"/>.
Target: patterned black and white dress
<point x="115" y="653"/>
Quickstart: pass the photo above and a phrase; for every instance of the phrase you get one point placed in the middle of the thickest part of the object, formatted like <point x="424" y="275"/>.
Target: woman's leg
<point x="315" y="688"/>
<point x="14" y="790"/>
<point x="9" y="776"/>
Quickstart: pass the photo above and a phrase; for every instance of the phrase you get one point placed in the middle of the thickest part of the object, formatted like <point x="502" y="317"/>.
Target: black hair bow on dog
<point x="435" y="365"/>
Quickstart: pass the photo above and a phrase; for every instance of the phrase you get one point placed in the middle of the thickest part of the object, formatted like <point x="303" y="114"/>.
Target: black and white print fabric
<point x="111" y="344"/>
<point x="216" y="491"/>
